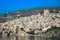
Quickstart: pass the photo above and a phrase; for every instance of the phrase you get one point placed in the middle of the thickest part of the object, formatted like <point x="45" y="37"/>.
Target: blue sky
<point x="12" y="5"/>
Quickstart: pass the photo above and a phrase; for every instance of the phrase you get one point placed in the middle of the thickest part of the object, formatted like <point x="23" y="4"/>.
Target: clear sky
<point x="12" y="5"/>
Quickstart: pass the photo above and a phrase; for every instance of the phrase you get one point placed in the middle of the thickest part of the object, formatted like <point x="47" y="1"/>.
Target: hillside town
<point x="31" y="25"/>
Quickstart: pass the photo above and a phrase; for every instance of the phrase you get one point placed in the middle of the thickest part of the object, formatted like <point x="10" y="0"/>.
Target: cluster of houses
<point x="31" y="24"/>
